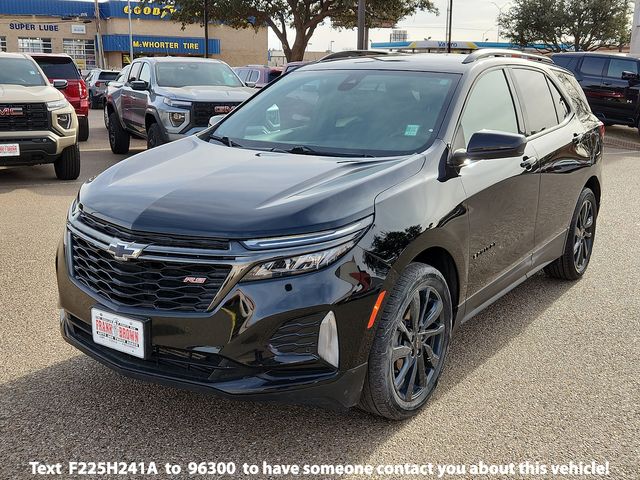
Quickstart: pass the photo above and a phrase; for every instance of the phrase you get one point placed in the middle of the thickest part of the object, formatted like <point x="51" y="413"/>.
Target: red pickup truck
<point x="62" y="67"/>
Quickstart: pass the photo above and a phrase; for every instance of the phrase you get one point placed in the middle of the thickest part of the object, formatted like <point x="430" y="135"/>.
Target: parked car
<point x="167" y="98"/>
<point x="328" y="257"/>
<point x="112" y="93"/>
<point x="257" y="76"/>
<point x="96" y="81"/>
<point x="291" y="66"/>
<point x="611" y="82"/>
<point x="37" y="123"/>
<point x="62" y="67"/>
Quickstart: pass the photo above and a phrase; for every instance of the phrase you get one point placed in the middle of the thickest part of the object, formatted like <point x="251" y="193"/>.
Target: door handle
<point x="528" y="163"/>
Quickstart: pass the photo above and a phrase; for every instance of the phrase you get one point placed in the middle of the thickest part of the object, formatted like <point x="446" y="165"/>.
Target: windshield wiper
<point x="305" y="150"/>
<point x="225" y="141"/>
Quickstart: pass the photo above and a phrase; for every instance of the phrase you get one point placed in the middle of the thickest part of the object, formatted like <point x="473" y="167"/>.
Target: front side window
<point x="20" y="71"/>
<point x="344" y="112"/>
<point x="536" y="99"/>
<point x="134" y="72"/>
<point x="145" y="73"/>
<point x="489" y="107"/>
<point x="618" y="65"/>
<point x="189" y="74"/>
<point x="593" y="66"/>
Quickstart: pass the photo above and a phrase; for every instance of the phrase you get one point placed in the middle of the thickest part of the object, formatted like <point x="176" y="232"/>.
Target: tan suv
<point x="37" y="124"/>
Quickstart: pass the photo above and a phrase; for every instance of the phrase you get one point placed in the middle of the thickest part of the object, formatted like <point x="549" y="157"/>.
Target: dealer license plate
<point x="10" y="150"/>
<point x="118" y="332"/>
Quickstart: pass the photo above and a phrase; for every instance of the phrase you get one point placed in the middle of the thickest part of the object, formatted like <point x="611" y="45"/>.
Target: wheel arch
<point x="594" y="184"/>
<point x="440" y="259"/>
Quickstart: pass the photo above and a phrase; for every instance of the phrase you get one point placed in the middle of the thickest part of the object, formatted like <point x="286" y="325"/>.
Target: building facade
<point x="72" y="26"/>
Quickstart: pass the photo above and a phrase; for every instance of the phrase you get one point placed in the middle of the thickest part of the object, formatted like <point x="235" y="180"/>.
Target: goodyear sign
<point x="154" y="44"/>
<point x="148" y="11"/>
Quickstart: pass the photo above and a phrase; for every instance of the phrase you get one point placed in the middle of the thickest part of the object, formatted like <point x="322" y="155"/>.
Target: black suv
<point x="163" y="99"/>
<point x="324" y="240"/>
<point x="610" y="81"/>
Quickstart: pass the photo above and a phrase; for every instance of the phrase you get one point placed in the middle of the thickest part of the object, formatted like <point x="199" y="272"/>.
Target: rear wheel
<point x="119" y="138"/>
<point x="93" y="102"/>
<point x="83" y="129"/>
<point x="579" y="245"/>
<point x="410" y="346"/>
<point x="67" y="165"/>
<point x="105" y="116"/>
<point x="154" y="136"/>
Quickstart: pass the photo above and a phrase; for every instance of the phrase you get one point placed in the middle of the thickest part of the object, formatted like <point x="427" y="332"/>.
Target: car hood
<point x="207" y="93"/>
<point x="20" y="93"/>
<point x="191" y="187"/>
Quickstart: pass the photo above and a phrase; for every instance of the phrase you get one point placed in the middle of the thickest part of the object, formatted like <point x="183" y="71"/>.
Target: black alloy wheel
<point x="583" y="236"/>
<point x="410" y="345"/>
<point x="418" y="345"/>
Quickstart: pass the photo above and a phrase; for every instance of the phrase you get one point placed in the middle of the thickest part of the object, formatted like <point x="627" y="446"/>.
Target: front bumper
<point x="256" y="343"/>
<point x="37" y="147"/>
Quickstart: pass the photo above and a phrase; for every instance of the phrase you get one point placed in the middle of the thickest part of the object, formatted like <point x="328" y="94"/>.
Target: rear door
<point x="127" y="98"/>
<point x="502" y="193"/>
<point x="591" y="71"/>
<point x="140" y="99"/>
<point x="557" y="136"/>
<point x="621" y="95"/>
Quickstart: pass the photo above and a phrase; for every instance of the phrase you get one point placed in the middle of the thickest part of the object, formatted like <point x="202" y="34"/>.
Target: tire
<point x="155" y="137"/>
<point x="105" y="116"/>
<point x="83" y="129"/>
<point x="67" y="165"/>
<point x="426" y="353"/>
<point x="119" y="138"/>
<point x="93" y="103"/>
<point x="580" y="238"/>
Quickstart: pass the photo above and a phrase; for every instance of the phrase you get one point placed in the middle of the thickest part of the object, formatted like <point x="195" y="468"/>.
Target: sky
<point x="473" y="20"/>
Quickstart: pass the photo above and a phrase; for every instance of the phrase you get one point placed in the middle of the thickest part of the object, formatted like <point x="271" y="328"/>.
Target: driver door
<point x="128" y="115"/>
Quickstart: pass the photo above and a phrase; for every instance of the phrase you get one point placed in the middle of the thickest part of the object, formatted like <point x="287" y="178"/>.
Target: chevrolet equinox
<point x="322" y="242"/>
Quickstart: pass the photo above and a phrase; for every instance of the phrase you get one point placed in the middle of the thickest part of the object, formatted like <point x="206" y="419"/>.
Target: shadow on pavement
<point x="80" y="410"/>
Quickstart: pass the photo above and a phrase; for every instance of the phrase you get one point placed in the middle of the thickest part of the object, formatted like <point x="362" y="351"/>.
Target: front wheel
<point x="410" y="345"/>
<point x="67" y="165"/>
<point x="155" y="137"/>
<point x="580" y="237"/>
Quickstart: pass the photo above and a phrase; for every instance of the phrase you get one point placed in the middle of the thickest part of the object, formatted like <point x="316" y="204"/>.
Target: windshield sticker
<point x="411" y="130"/>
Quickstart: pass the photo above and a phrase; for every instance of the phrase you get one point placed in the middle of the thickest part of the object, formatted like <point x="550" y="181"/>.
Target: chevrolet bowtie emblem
<point x="125" y="251"/>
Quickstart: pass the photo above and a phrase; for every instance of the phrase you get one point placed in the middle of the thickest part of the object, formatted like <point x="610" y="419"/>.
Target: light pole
<point x="101" y="62"/>
<point x="362" y="42"/>
<point x="130" y="33"/>
<point x="449" y="25"/>
<point x="499" y="14"/>
<point x="206" y="29"/>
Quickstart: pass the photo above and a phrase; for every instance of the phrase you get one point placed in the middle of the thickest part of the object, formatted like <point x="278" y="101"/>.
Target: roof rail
<point x="500" y="52"/>
<point x="353" y="54"/>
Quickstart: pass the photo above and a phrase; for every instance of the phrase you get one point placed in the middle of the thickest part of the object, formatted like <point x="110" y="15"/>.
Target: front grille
<point x="203" y="111"/>
<point x="146" y="284"/>
<point x="35" y="116"/>
<point x="297" y="337"/>
<point x="121" y="233"/>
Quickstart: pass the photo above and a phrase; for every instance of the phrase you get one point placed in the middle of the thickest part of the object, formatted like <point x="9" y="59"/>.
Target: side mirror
<point x="106" y="84"/>
<point x="139" y="85"/>
<point x="60" y="84"/>
<point x="250" y="84"/>
<point x="630" y="76"/>
<point x="216" y="119"/>
<point x="489" y="144"/>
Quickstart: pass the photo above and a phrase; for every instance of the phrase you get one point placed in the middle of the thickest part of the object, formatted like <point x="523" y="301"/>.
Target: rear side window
<point x="58" y="67"/>
<point x="565" y="61"/>
<point x="562" y="109"/>
<point x="489" y="107"/>
<point x="273" y="74"/>
<point x="619" y="65"/>
<point x="576" y="95"/>
<point x="536" y="100"/>
<point x="108" y="75"/>
<point x="593" y="65"/>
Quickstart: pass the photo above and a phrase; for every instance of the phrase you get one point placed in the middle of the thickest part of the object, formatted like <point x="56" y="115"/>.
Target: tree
<point x="585" y="25"/>
<point x="302" y="16"/>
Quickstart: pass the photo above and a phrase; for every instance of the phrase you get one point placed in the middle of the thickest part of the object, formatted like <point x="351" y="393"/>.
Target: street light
<point x="130" y="33"/>
<point x="499" y="14"/>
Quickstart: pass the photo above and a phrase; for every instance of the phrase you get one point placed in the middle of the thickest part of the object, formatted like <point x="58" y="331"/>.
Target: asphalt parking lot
<point x="550" y="373"/>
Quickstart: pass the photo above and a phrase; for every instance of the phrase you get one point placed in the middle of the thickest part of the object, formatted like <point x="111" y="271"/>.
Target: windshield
<point x="62" y="67"/>
<point x="108" y="75"/>
<point x="190" y="74"/>
<point x="20" y="71"/>
<point x="343" y="112"/>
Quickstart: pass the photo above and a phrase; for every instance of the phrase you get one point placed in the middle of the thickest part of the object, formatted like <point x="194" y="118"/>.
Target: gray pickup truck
<point x="166" y="98"/>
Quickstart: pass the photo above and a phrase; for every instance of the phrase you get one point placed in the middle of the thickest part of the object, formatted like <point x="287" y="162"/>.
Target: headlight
<point x="308" y="262"/>
<point x="57" y="104"/>
<point x="64" y="120"/>
<point x="177" y="103"/>
<point x="74" y="209"/>
<point x="177" y="118"/>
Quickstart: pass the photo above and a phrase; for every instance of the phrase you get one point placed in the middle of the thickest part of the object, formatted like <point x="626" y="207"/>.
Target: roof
<point x="179" y="59"/>
<point x="602" y="54"/>
<point x="12" y="55"/>
<point x="419" y="62"/>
